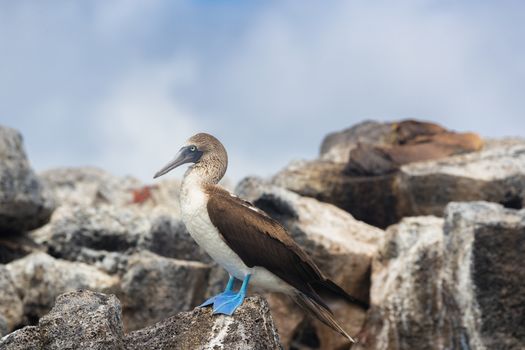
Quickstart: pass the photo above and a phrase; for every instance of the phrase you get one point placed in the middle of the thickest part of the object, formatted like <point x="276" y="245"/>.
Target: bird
<point x="250" y="245"/>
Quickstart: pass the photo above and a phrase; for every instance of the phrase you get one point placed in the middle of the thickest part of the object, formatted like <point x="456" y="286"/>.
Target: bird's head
<point x="206" y="153"/>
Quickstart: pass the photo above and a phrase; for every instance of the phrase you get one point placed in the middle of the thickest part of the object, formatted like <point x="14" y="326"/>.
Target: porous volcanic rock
<point x="89" y="186"/>
<point x="84" y="319"/>
<point x="79" y="319"/>
<point x="39" y="279"/>
<point x="251" y="328"/>
<point x="496" y="174"/>
<point x="455" y="283"/>
<point x="155" y="287"/>
<point x="107" y="228"/>
<point x="369" y="199"/>
<point x="24" y="202"/>
<point x="106" y="235"/>
<point x="341" y="246"/>
<point x="93" y="187"/>
<point x="11" y="307"/>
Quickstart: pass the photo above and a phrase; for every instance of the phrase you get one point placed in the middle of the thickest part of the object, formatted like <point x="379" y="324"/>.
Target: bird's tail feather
<point x="328" y="288"/>
<point x="321" y="312"/>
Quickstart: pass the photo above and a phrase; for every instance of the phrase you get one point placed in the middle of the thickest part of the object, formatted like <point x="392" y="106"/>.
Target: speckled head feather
<point x="214" y="160"/>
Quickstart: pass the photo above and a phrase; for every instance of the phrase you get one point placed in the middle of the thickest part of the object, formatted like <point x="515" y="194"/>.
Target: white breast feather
<point x="193" y="202"/>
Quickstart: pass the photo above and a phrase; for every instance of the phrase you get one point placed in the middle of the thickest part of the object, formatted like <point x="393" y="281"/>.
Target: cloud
<point x="140" y="124"/>
<point x="121" y="87"/>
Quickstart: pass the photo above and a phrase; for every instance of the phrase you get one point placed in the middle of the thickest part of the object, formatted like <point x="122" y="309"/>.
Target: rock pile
<point x="89" y="320"/>
<point x="437" y="252"/>
<point x="381" y="194"/>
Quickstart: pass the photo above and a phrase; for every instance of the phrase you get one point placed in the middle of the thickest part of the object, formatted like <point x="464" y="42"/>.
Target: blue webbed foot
<point x="227" y="293"/>
<point x="227" y="304"/>
<point x="228" y="301"/>
<point x="214" y="299"/>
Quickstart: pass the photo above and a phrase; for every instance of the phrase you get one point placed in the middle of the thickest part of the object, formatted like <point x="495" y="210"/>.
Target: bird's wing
<point x="246" y="229"/>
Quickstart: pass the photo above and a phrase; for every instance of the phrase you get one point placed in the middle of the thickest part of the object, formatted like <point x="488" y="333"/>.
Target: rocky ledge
<point x="423" y="222"/>
<point x="88" y="320"/>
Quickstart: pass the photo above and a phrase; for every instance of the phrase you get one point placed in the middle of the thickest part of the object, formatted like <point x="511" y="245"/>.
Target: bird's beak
<point x="182" y="157"/>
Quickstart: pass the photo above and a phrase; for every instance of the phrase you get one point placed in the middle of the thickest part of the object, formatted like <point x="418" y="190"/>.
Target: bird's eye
<point x="193" y="148"/>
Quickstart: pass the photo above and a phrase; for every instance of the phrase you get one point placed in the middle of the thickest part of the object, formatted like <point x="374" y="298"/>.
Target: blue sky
<point x="121" y="84"/>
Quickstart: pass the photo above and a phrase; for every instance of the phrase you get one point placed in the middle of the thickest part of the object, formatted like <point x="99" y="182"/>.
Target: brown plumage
<point x="246" y="229"/>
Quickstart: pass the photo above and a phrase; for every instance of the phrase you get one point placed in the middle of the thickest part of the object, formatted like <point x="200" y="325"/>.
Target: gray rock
<point x="336" y="146"/>
<point x="27" y="338"/>
<point x="104" y="235"/>
<point x="341" y="246"/>
<point x="168" y="237"/>
<point x="79" y="320"/>
<point x="92" y="187"/>
<point x="89" y="186"/>
<point x="155" y="287"/>
<point x="485" y="245"/>
<point x="88" y="320"/>
<point x="497" y="174"/>
<point x="39" y="279"/>
<point x="407" y="296"/>
<point x="11" y="307"/>
<point x="106" y="228"/>
<point x="251" y="328"/>
<point x="4" y="328"/>
<point x="15" y="246"/>
<point x="369" y="199"/>
<point x="83" y="320"/>
<point x="24" y="202"/>
<point x="452" y="286"/>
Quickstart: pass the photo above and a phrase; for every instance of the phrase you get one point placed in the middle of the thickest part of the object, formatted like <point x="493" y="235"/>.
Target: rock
<point x="11" y="307"/>
<point x="39" y="279"/>
<point x="88" y="320"/>
<point x="168" y="237"/>
<point x="104" y="228"/>
<point x="83" y="320"/>
<point x="155" y="287"/>
<point x="407" y="306"/>
<point x="4" y="328"/>
<point x="250" y="328"/>
<point x="80" y="319"/>
<point x="92" y="187"/>
<point x="105" y="235"/>
<point x="336" y="146"/>
<point x="369" y="199"/>
<point x="380" y="160"/>
<point x="89" y="186"/>
<point x="15" y="246"/>
<point x="485" y="245"/>
<point x="497" y="174"/>
<point x="382" y="147"/>
<point x="27" y="338"/>
<point x="341" y="246"/>
<point x="24" y="202"/>
<point x="457" y="285"/>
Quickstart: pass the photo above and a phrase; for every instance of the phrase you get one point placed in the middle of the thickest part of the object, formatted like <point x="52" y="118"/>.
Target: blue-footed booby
<point x="244" y="240"/>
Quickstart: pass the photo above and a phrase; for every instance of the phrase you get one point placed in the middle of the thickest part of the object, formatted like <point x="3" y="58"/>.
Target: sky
<point x="122" y="84"/>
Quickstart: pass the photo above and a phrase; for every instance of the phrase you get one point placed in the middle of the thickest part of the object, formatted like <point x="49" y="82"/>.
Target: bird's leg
<point x="227" y="304"/>
<point x="229" y="286"/>
<point x="227" y="291"/>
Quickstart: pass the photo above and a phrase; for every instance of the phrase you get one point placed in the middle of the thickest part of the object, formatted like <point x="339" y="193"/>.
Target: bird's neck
<point x="203" y="174"/>
<point x="196" y="179"/>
